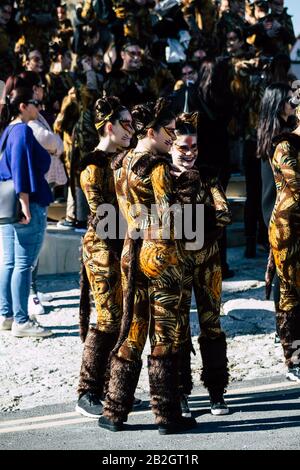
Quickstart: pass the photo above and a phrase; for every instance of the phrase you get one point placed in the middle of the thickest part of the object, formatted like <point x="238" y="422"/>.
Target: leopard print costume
<point x="284" y="236"/>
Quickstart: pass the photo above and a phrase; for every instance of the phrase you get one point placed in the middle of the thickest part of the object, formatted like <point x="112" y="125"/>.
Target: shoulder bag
<point x="10" y="206"/>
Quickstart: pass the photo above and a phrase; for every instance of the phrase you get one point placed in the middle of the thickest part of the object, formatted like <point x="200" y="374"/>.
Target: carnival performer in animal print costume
<point x="151" y="276"/>
<point x="284" y="236"/>
<point x="101" y="257"/>
<point x="202" y="269"/>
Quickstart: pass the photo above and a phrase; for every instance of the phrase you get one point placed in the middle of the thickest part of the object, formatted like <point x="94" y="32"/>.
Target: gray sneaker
<point x="29" y="328"/>
<point x="5" y="323"/>
<point x="293" y="374"/>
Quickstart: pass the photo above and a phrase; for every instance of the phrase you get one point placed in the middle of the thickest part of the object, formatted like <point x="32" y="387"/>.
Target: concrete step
<point x="236" y="187"/>
<point x="60" y="251"/>
<point x="237" y="205"/>
<point x="235" y="235"/>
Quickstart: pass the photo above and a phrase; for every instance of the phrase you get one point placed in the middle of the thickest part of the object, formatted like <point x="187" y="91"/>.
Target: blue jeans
<point x="20" y="246"/>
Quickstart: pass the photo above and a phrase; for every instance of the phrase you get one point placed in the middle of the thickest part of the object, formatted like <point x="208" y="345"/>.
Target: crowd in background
<point x="214" y="57"/>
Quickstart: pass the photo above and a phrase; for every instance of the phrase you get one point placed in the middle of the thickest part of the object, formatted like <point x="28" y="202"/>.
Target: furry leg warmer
<point x="95" y="361"/>
<point x="215" y="373"/>
<point x="124" y="376"/>
<point x="164" y="392"/>
<point x="184" y="370"/>
<point x="288" y="323"/>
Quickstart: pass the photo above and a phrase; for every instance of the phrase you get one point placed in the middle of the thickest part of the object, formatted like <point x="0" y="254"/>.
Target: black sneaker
<point x="80" y="226"/>
<point x="105" y="423"/>
<point x="137" y="403"/>
<point x="227" y="273"/>
<point x="185" y="410"/>
<point x="219" y="408"/>
<point x="89" y="405"/>
<point x="180" y="425"/>
<point x="293" y="374"/>
<point x="66" y="224"/>
<point x="276" y="339"/>
<point x="218" y="405"/>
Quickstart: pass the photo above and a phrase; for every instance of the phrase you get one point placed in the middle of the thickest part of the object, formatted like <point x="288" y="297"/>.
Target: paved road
<point x="264" y="415"/>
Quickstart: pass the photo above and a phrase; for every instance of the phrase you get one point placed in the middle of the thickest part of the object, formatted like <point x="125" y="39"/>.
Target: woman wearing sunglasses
<point x="26" y="162"/>
<point x="151" y="276"/>
<point x="100" y="256"/>
<point x="202" y="269"/>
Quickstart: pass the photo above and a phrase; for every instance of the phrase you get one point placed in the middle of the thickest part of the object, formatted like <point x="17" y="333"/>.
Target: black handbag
<point x="10" y="206"/>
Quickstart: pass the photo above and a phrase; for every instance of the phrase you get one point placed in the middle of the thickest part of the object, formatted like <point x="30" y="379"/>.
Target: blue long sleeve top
<point x="26" y="162"/>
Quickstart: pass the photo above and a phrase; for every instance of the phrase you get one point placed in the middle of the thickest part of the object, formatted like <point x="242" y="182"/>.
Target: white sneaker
<point x="30" y="328"/>
<point x="5" y="323"/>
<point x="34" y="306"/>
<point x="45" y="297"/>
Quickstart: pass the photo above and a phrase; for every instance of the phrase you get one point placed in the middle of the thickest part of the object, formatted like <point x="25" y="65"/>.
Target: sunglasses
<point x="34" y="102"/>
<point x="134" y="54"/>
<point x="36" y="59"/>
<point x="170" y="131"/>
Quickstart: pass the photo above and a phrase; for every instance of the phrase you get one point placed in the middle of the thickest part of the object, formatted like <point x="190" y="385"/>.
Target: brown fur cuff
<point x="186" y="186"/>
<point x="292" y="138"/>
<point x="147" y="162"/>
<point x="97" y="158"/>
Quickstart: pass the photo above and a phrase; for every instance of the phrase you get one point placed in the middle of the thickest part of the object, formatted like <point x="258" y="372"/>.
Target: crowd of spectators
<point x="214" y="57"/>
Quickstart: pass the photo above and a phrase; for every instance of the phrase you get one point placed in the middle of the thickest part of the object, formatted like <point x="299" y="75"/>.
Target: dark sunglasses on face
<point x="134" y="54"/>
<point x="36" y="59"/>
<point x="34" y="102"/>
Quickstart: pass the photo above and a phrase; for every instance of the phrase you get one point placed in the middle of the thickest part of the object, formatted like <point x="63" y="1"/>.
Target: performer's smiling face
<point x="184" y="151"/>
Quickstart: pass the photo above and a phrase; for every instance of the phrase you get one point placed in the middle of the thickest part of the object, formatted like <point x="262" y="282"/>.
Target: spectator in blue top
<point x="24" y="161"/>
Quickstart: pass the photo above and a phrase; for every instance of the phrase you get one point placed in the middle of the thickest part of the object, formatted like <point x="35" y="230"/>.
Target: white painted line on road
<point x="21" y="424"/>
<point x="265" y="388"/>
<point x="53" y="424"/>
<point x="11" y="422"/>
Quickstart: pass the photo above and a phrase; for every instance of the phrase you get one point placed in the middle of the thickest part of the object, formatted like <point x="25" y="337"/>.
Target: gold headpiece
<point x="100" y="124"/>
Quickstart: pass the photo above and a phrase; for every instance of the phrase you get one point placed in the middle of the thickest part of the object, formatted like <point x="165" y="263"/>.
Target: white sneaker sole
<point x="5" y="328"/>
<point x="86" y="413"/>
<point x="25" y="334"/>
<point x="45" y="297"/>
<point x="292" y="378"/>
<point x="219" y="412"/>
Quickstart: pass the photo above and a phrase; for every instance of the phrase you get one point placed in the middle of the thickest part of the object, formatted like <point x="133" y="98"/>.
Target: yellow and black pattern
<point x="284" y="229"/>
<point x="202" y="268"/>
<point x="284" y="235"/>
<point x="101" y="263"/>
<point x="145" y="180"/>
<point x="156" y="305"/>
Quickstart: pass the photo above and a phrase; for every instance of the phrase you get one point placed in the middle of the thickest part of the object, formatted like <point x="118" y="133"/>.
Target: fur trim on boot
<point x="84" y="303"/>
<point x="124" y="376"/>
<point x="164" y="391"/>
<point x="288" y="324"/>
<point x="184" y="370"/>
<point x="215" y="373"/>
<point x="95" y="361"/>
